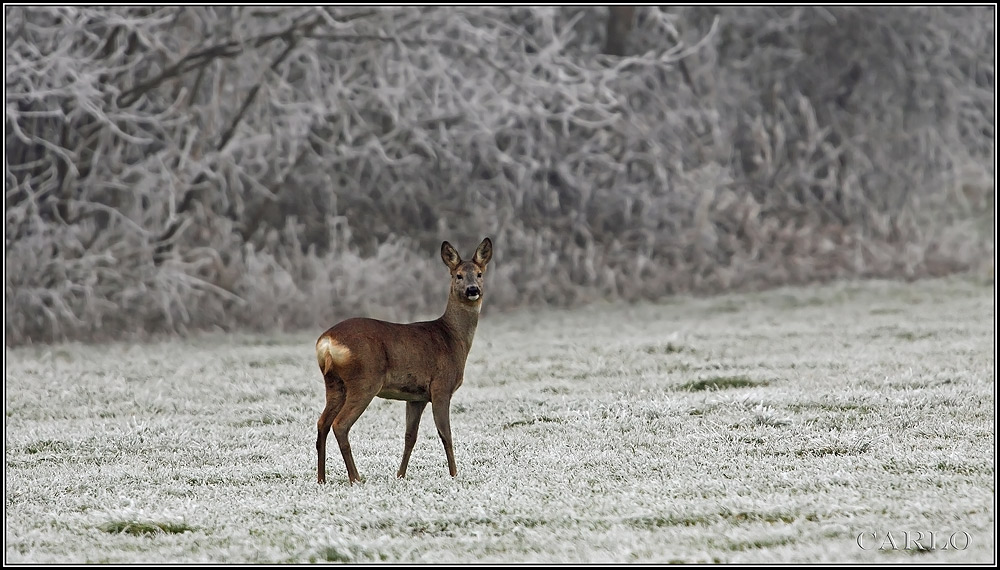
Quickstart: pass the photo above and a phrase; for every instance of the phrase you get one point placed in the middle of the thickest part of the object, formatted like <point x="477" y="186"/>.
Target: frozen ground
<point x="775" y="426"/>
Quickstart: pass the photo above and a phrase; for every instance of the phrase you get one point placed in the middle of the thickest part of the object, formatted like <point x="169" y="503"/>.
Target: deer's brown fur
<point x="419" y="363"/>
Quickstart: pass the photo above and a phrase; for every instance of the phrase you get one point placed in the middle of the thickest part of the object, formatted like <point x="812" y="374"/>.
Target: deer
<point x="419" y="363"/>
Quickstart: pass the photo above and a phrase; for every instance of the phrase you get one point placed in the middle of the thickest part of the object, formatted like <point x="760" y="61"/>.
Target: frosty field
<point x="774" y="426"/>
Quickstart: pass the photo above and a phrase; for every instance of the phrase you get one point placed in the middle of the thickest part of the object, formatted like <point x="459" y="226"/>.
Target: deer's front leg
<point x="413" y="412"/>
<point x="440" y="406"/>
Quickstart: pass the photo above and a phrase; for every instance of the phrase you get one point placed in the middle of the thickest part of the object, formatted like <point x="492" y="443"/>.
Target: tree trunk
<point x="619" y="25"/>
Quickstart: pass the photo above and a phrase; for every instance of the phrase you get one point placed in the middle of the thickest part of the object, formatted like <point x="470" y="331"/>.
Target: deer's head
<point x="467" y="276"/>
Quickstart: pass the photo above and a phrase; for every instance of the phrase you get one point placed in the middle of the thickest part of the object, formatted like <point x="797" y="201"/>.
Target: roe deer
<point x="418" y="362"/>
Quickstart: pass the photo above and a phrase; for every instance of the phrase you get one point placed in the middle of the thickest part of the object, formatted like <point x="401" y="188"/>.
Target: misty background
<point x="172" y="169"/>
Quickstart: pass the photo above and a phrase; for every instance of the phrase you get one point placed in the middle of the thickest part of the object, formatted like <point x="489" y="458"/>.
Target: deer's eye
<point x="459" y="276"/>
<point x="479" y="275"/>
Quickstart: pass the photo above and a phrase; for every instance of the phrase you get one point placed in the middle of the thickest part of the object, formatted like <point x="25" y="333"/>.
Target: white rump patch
<point x="327" y="348"/>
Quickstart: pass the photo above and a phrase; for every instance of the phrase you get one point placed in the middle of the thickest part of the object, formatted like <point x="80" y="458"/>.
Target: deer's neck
<point x="461" y="320"/>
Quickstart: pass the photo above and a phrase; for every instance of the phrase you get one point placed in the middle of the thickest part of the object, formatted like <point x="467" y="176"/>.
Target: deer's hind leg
<point x="356" y="401"/>
<point x="334" y="403"/>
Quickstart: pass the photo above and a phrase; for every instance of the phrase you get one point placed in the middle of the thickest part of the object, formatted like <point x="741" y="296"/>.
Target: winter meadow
<point x="740" y="305"/>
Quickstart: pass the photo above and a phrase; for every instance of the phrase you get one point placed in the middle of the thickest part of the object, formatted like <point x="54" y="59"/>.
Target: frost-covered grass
<point x="744" y="428"/>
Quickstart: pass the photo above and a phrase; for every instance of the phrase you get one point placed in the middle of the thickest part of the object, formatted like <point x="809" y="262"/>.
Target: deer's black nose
<point x="472" y="291"/>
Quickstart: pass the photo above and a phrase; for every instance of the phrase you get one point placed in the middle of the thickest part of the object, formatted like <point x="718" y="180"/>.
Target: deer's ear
<point x="484" y="253"/>
<point x="450" y="255"/>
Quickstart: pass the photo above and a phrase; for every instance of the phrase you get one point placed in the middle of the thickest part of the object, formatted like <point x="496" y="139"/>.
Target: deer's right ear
<point x="450" y="255"/>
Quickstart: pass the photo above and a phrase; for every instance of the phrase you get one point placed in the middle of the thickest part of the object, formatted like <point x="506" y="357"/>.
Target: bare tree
<point x="171" y="168"/>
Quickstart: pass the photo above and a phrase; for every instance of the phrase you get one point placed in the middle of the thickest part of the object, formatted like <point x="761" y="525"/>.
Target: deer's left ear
<point x="484" y="253"/>
<point x="450" y="255"/>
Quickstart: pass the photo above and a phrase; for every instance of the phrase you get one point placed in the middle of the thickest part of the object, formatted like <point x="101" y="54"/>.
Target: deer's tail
<point x="329" y="353"/>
